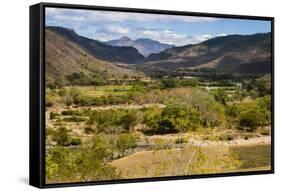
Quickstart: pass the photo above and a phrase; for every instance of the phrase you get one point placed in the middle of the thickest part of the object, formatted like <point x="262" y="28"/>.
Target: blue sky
<point x="171" y="29"/>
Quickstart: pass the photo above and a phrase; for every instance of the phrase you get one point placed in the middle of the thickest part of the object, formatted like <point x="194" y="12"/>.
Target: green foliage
<point x="127" y="119"/>
<point x="221" y="96"/>
<point x="173" y="119"/>
<point x="83" y="79"/>
<point x="125" y="141"/>
<point x="61" y="137"/>
<point x="265" y="132"/>
<point x="79" y="165"/>
<point x="74" y="118"/>
<point x="226" y="137"/>
<point x="68" y="112"/>
<point x="54" y="115"/>
<point x="130" y="120"/>
<point x="252" y="118"/>
<point x="192" y="82"/>
<point x="181" y="140"/>
<point x="180" y="118"/>
<point x="169" y="83"/>
<point x="49" y="101"/>
<point x="212" y="112"/>
<point x="76" y="141"/>
<point x="257" y="114"/>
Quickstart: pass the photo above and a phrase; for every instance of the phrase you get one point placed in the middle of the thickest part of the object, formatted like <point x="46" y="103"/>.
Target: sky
<point x="171" y="29"/>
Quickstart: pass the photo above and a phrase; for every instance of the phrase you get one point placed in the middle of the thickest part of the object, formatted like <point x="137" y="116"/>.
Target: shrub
<point x="61" y="137"/>
<point x="181" y="118"/>
<point x="173" y="119"/>
<point x="211" y="112"/>
<point x="265" y="132"/>
<point x="169" y="83"/>
<point x="87" y="164"/>
<point x="67" y="112"/>
<point x="255" y="116"/>
<point x="74" y="119"/>
<point x="76" y="141"/>
<point x="89" y="130"/>
<point x="125" y="141"/>
<point x="227" y="137"/>
<point x="221" y="96"/>
<point x="181" y="140"/>
<point x="49" y="101"/>
<point x="53" y="115"/>
<point x="129" y="120"/>
<point x="71" y="112"/>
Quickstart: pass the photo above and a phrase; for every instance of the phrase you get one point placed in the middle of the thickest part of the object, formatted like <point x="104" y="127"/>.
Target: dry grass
<point x="187" y="161"/>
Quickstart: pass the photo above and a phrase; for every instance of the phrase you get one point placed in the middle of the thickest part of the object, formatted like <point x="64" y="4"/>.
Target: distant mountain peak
<point x="125" y="38"/>
<point x="145" y="46"/>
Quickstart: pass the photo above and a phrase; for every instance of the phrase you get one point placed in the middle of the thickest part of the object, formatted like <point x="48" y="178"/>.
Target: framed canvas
<point x="122" y="95"/>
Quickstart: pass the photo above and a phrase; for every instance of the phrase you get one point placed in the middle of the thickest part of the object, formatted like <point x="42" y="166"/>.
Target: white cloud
<point x="165" y="36"/>
<point x="118" y="30"/>
<point x="111" y="16"/>
<point x="110" y="25"/>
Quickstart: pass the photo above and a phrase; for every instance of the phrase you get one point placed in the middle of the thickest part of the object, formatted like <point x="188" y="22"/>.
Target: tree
<point x="169" y="83"/>
<point x="125" y="141"/>
<point x="251" y="119"/>
<point x="211" y="112"/>
<point x="130" y="120"/>
<point x="221" y="96"/>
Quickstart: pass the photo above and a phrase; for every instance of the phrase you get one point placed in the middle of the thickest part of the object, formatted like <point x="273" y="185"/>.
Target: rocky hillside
<point x="65" y="57"/>
<point x="98" y="49"/>
<point x="233" y="53"/>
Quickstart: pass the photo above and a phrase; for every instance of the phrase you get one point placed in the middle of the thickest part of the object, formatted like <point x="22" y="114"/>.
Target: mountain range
<point x="67" y="52"/>
<point x="244" y="54"/>
<point x="145" y="46"/>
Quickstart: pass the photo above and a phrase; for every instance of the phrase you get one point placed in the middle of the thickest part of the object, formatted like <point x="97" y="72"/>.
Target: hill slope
<point x="64" y="57"/>
<point x="233" y="53"/>
<point x="98" y="49"/>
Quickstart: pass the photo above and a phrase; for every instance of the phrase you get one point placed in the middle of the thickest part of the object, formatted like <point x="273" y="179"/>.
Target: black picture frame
<point x="37" y="94"/>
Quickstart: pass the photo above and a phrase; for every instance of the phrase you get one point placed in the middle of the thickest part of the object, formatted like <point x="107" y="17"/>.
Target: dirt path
<point x="236" y="142"/>
<point x="107" y="107"/>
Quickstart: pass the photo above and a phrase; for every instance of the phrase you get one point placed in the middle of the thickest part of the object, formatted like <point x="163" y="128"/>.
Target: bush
<point x="74" y="119"/>
<point x="221" y="96"/>
<point x="227" y="137"/>
<point x="251" y="119"/>
<point x="125" y="141"/>
<point x="87" y="164"/>
<point x="67" y="112"/>
<point x="169" y="83"/>
<point x="130" y="120"/>
<point x="53" y="115"/>
<point x="89" y="130"/>
<point x="181" y="140"/>
<point x="61" y="137"/>
<point x="49" y="101"/>
<point x="211" y="112"/>
<point x="76" y="141"/>
<point x="265" y="132"/>
<point x="173" y="119"/>
<point x="71" y="112"/>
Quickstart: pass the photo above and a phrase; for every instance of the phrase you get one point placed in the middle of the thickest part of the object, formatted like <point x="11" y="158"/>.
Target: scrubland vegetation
<point x="133" y="128"/>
